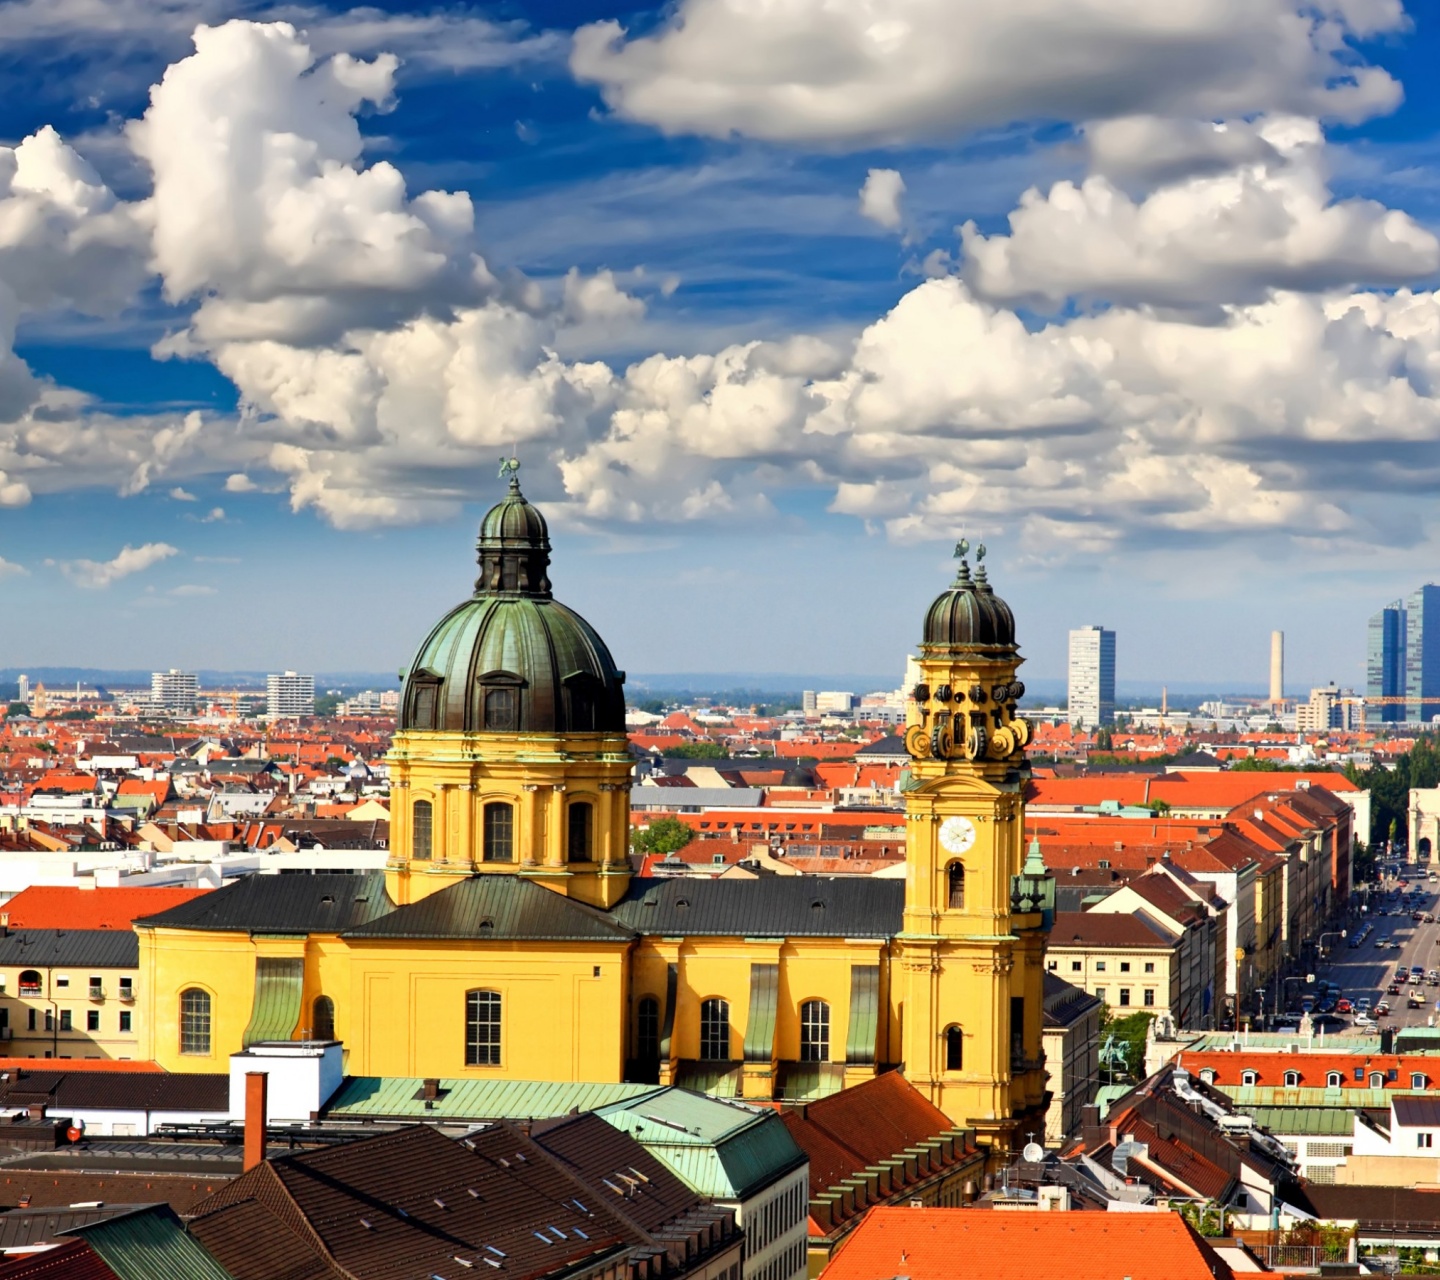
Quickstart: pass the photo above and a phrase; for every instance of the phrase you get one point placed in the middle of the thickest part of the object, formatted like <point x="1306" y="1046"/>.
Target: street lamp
<point x="1333" y="933"/>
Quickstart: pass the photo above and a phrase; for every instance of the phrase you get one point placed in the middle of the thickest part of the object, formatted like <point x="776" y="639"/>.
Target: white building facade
<point x="1092" y="677"/>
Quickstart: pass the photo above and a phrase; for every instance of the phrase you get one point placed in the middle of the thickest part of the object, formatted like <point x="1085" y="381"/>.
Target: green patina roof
<point x="1108" y="1093"/>
<point x="150" y="1244"/>
<point x="1213" y="1040"/>
<point x="864" y="1014"/>
<point x="279" y="982"/>
<point x="399" y="1097"/>
<point x="760" y="1024"/>
<point x="1304" y="1122"/>
<point x="723" y="1149"/>
<point x="1346" y="1099"/>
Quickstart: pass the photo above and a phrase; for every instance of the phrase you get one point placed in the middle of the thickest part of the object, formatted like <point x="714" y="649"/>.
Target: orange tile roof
<point x="937" y="1244"/>
<point x="143" y="1066"/>
<point x="65" y="907"/>
<point x="1270" y="1068"/>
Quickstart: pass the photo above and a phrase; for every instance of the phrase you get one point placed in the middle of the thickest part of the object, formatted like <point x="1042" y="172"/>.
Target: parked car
<point x="1343" y="1005"/>
<point x="1364" y="1022"/>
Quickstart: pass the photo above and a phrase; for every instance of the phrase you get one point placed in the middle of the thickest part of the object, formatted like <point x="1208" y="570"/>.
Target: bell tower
<point x="971" y="954"/>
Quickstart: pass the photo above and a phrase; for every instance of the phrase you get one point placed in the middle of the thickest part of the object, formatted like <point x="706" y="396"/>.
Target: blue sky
<point x="1191" y="399"/>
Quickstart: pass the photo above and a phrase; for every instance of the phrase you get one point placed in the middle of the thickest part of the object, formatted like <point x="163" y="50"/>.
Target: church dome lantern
<point x="512" y="659"/>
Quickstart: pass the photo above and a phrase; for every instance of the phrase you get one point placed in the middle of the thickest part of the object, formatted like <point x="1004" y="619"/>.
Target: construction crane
<point x="1389" y="700"/>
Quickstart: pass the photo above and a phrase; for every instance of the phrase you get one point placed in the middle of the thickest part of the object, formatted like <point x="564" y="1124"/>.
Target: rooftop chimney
<point x="431" y="1089"/>
<point x="256" y="1089"/>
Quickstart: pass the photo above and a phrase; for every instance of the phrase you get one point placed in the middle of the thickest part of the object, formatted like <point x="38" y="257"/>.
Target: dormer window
<point x="1292" y="1079"/>
<point x="1332" y="1079"/>
<point x="500" y="701"/>
<point x="1417" y="1080"/>
<point x="1249" y="1077"/>
<point x="1377" y="1080"/>
<point x="1207" y="1076"/>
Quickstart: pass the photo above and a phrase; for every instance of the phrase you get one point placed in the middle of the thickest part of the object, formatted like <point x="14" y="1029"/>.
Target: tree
<point x="697" y="751"/>
<point x="1160" y="807"/>
<point x="1130" y="1033"/>
<point x="664" y="835"/>
<point x="18" y="709"/>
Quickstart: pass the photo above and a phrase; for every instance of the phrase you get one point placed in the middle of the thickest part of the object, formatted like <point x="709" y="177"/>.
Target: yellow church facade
<point x="509" y="937"/>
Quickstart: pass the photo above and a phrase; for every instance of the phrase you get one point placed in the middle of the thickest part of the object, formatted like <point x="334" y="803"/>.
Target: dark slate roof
<point x="320" y="903"/>
<point x="122" y="1090"/>
<point x="499" y="907"/>
<point x="20" y="1227"/>
<point x="891" y="745"/>
<point x="773" y="907"/>
<point x="1412" y="1111"/>
<point x="87" y="948"/>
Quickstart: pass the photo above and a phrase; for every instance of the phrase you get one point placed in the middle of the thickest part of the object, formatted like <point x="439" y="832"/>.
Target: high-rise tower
<point x="1385" y="660"/>
<point x="971" y="954"/>
<point x="1422" y="654"/>
<point x="1092" y="677"/>
<point x="1277" y="668"/>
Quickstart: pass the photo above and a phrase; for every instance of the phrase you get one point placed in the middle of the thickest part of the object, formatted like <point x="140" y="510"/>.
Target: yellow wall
<point x="540" y="776"/>
<point x="66" y="989"/>
<point x="560" y="1021"/>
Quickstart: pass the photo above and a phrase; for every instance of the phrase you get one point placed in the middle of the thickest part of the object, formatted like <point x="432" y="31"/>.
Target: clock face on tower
<point x="957" y="834"/>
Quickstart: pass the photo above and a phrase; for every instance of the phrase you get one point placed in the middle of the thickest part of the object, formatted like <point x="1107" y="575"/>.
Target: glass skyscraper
<point x="1422" y="654"/>
<point x="1385" y="660"/>
<point x="1092" y="677"/>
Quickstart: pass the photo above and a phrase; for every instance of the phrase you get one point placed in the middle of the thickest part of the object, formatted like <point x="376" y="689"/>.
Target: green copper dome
<point x="969" y="615"/>
<point x="512" y="659"/>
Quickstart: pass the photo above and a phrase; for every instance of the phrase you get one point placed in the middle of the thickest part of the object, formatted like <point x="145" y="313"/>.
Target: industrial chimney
<point x="1277" y="668"/>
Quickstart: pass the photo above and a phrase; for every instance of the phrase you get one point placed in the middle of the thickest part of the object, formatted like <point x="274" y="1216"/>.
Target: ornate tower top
<point x="969" y="615"/>
<point x="514" y="544"/>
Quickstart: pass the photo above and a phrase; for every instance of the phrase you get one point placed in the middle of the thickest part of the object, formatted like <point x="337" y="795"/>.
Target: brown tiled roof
<point x="1107" y="929"/>
<point x="408" y="1202"/>
<point x="73" y="1260"/>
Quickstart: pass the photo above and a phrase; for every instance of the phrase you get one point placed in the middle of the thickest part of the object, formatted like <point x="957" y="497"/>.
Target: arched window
<point x="422" y="827"/>
<point x="482" y="1028"/>
<point x="814" y="1031"/>
<point x="715" y="1030"/>
<point x="195" y="1021"/>
<point x="1292" y="1079"/>
<point x="647" y="1030"/>
<point x="30" y="982"/>
<point x="1207" y="1076"/>
<point x="1332" y="1079"/>
<point x="956" y="878"/>
<point x="322" y="1022"/>
<point x="954" y="1049"/>
<point x="499" y="832"/>
<point x="1249" y="1077"/>
<point x="578" y="844"/>
<point x="1377" y="1080"/>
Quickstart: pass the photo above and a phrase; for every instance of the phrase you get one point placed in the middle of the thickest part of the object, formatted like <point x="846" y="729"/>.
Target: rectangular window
<point x="482" y="1028"/>
<point x="49" y="1020"/>
<point x="1075" y="966"/>
<point x="1149" y="966"/>
<point x="1052" y="965"/>
<point x="126" y="988"/>
<point x="1124" y="966"/>
<point x="62" y="982"/>
<point x="65" y="1020"/>
<point x="30" y="1019"/>
<point x="1149" y="995"/>
<point x="92" y="1019"/>
<point x="1100" y="993"/>
<point x="1099" y="966"/>
<point x="422" y="819"/>
<point x="125" y="1017"/>
<point x="1425" y="1140"/>
<point x="1124" y="995"/>
<point x="499" y="832"/>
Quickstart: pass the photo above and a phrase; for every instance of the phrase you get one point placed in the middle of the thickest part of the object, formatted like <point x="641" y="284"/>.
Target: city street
<point x="1369" y="969"/>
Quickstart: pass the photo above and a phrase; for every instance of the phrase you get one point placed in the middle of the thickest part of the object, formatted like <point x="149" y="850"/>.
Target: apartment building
<point x="69" y="993"/>
<point x="1126" y="961"/>
<point x="1092" y="677"/>
<point x="289" y="695"/>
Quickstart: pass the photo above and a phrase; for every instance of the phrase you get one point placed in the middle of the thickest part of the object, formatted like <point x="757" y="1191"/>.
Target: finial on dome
<point x="981" y="576"/>
<point x="962" y="549"/>
<point x="511" y="466"/>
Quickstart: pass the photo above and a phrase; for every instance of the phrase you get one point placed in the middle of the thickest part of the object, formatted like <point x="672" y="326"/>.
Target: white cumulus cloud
<point x="1208" y="239"/>
<point x="94" y="574"/>
<point x="880" y="198"/>
<point x="854" y="73"/>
